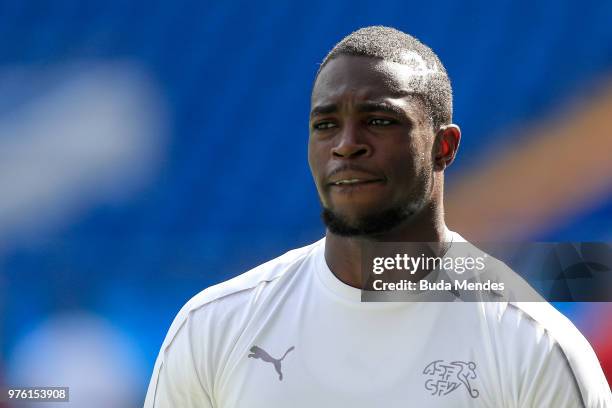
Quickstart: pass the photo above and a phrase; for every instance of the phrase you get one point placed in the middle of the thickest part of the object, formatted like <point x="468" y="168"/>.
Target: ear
<point x="446" y="145"/>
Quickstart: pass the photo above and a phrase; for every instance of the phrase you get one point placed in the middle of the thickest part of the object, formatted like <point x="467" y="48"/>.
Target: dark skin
<point x="373" y="147"/>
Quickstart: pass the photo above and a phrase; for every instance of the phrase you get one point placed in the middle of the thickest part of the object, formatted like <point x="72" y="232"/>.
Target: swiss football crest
<point x="445" y="378"/>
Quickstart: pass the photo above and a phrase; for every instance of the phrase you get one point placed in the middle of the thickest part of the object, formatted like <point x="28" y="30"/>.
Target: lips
<point x="353" y="178"/>
<point x="354" y="185"/>
<point x="353" y="181"/>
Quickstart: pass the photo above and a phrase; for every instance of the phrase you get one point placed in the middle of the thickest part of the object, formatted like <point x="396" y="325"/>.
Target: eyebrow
<point x="361" y="107"/>
<point x="323" y="110"/>
<point x="380" y="107"/>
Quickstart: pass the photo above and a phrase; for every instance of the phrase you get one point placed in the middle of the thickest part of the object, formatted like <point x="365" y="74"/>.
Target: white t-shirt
<point x="290" y="334"/>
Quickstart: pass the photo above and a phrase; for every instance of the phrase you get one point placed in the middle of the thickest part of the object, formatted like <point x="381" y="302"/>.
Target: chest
<point x="321" y="356"/>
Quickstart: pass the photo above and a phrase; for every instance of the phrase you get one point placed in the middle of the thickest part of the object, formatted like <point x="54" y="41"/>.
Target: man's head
<point x="380" y="132"/>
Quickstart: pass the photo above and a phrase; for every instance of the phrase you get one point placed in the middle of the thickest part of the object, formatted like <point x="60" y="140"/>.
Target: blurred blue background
<point x="151" y="149"/>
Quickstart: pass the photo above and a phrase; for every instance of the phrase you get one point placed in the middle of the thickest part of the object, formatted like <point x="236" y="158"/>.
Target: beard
<point x="371" y="224"/>
<point x="380" y="222"/>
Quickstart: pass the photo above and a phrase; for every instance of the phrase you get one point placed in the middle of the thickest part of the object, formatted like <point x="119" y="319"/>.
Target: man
<point x="294" y="332"/>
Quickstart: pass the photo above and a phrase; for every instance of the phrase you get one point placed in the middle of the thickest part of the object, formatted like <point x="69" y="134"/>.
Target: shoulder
<point x="232" y="295"/>
<point x="205" y="329"/>
<point x="539" y="345"/>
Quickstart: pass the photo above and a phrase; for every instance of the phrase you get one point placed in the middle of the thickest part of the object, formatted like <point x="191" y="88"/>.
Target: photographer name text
<point x="442" y="285"/>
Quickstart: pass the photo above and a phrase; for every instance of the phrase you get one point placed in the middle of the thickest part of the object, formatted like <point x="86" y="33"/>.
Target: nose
<point x="350" y="144"/>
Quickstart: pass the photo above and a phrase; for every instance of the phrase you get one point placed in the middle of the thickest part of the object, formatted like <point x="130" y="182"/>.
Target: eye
<point x="323" y="125"/>
<point x="381" y="122"/>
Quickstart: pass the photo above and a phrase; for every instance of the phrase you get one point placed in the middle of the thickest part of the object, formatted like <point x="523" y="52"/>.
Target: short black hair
<point x="389" y="44"/>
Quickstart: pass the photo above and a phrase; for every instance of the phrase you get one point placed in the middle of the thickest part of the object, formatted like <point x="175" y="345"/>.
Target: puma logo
<point x="258" y="352"/>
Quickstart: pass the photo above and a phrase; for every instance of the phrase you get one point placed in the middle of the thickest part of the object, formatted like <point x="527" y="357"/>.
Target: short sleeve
<point x="561" y="368"/>
<point x="552" y="384"/>
<point x="175" y="381"/>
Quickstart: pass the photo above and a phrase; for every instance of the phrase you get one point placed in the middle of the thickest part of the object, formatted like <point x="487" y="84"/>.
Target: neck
<point x="343" y="254"/>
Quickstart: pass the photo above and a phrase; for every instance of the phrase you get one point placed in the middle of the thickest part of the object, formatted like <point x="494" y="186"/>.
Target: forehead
<point x="369" y="78"/>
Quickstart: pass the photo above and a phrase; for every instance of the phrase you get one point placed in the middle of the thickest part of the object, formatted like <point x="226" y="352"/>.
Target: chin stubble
<point x="370" y="224"/>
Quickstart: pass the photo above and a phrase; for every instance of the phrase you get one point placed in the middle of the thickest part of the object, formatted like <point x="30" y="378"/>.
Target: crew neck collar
<point x="351" y="294"/>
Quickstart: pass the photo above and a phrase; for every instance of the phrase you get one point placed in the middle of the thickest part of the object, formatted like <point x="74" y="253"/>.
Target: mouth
<point x="354" y="181"/>
<point x="355" y="185"/>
